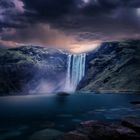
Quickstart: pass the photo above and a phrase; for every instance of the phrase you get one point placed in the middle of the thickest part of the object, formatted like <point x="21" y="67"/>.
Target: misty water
<point x="75" y="70"/>
<point x="21" y="116"/>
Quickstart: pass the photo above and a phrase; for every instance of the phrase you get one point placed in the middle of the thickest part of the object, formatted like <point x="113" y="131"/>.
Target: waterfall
<point x="75" y="70"/>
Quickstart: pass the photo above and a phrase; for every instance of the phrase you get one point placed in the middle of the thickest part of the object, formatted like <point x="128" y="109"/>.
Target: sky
<point x="76" y="25"/>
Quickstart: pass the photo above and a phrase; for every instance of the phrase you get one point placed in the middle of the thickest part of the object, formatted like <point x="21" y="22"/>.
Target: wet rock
<point x="124" y="132"/>
<point x="63" y="94"/>
<point x="46" y="134"/>
<point x="133" y="123"/>
<point x="135" y="102"/>
<point x="97" y="130"/>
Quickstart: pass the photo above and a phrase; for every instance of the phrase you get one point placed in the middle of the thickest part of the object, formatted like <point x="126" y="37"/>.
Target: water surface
<point x="20" y="116"/>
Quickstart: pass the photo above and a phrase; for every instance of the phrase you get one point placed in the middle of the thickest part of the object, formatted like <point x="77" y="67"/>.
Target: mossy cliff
<point x="115" y="66"/>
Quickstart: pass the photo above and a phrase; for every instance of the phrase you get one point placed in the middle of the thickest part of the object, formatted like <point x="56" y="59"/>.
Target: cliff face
<point x="30" y="69"/>
<point x="114" y="66"/>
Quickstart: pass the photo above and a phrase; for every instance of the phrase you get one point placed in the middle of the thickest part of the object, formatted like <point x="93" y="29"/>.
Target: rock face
<point x="132" y="123"/>
<point x="114" y="66"/>
<point x="31" y="69"/>
<point x="96" y="130"/>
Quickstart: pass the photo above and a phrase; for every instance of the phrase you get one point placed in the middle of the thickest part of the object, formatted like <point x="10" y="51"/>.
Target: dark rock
<point x="133" y="123"/>
<point x="63" y="94"/>
<point x="124" y="132"/>
<point x="135" y="102"/>
<point x="99" y="130"/>
<point x="96" y="130"/>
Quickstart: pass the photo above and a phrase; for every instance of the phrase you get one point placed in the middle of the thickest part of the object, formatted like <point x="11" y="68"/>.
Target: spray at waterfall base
<point x="68" y="79"/>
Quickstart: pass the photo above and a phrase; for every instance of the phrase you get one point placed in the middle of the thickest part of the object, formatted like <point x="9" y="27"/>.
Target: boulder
<point x="63" y="94"/>
<point x="97" y="130"/>
<point x="133" y="123"/>
<point x="135" y="102"/>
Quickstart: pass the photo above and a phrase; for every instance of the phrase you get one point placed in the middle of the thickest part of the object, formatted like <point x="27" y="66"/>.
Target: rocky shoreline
<point x="128" y="128"/>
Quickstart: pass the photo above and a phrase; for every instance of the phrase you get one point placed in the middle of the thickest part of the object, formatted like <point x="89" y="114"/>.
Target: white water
<point x="75" y="70"/>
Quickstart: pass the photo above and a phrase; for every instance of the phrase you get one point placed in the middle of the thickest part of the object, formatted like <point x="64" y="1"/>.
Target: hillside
<point x="114" y="66"/>
<point x="29" y="68"/>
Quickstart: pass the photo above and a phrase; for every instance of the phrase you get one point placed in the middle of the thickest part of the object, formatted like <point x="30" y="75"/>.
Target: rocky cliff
<point x="115" y="66"/>
<point x="31" y="69"/>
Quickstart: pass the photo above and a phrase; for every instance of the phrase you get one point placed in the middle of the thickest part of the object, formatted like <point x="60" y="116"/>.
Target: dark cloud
<point x="52" y="9"/>
<point x="80" y="19"/>
<point x="49" y="9"/>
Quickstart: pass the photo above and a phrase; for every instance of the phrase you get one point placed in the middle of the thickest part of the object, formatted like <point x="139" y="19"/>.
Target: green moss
<point x="17" y="57"/>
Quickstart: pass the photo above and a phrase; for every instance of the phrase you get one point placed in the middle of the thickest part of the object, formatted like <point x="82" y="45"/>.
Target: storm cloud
<point x="67" y="23"/>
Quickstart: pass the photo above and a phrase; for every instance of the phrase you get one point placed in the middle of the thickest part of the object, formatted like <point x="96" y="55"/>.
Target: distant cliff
<point x="114" y="66"/>
<point x="31" y="69"/>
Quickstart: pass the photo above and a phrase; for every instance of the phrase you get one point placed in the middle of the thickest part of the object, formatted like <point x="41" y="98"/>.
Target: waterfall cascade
<point x="75" y="70"/>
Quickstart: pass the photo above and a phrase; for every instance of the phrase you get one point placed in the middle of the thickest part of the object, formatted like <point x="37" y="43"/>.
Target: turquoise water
<point x="20" y="116"/>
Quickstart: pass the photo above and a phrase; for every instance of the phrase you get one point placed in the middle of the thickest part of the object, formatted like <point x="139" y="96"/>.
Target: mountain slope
<point x="31" y="69"/>
<point x="114" y="66"/>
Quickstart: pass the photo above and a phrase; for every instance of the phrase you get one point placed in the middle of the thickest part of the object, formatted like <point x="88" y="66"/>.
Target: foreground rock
<point x="132" y="123"/>
<point x="96" y="130"/>
<point x="63" y="94"/>
<point x="135" y="102"/>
